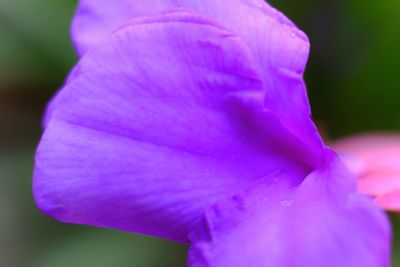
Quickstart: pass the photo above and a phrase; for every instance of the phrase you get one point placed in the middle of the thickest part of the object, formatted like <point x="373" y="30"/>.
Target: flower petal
<point x="96" y="19"/>
<point x="375" y="160"/>
<point x="322" y="222"/>
<point x="278" y="47"/>
<point x="156" y="124"/>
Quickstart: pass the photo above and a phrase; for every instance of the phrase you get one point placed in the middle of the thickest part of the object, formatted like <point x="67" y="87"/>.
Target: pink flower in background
<point x="189" y="120"/>
<point x="375" y="159"/>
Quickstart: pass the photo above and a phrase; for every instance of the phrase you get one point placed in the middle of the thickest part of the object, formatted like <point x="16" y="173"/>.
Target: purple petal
<point x="278" y="47"/>
<point x="157" y="123"/>
<point x="96" y="19"/>
<point x="322" y="222"/>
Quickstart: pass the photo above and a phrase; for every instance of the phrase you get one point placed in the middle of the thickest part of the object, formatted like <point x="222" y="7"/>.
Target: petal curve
<point x="322" y="222"/>
<point x="278" y="47"/>
<point x="146" y="133"/>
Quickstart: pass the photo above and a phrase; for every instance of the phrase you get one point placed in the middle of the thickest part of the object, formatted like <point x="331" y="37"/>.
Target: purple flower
<point x="189" y="120"/>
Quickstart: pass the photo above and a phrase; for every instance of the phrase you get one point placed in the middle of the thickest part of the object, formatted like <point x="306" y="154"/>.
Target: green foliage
<point x="35" y="46"/>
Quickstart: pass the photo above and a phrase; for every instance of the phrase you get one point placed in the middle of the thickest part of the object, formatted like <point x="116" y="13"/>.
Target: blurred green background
<point x="354" y="86"/>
